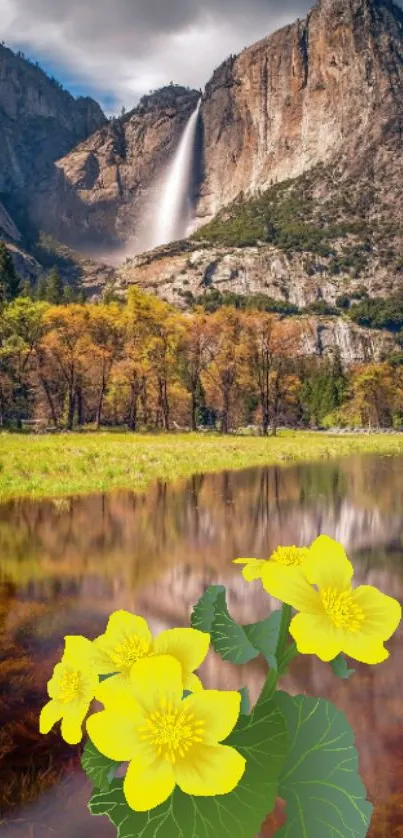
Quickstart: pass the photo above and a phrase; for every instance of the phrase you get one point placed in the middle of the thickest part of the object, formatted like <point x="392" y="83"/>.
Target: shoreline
<point x="72" y="464"/>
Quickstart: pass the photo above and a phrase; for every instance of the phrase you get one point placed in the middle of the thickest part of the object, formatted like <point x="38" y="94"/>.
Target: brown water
<point x="66" y="565"/>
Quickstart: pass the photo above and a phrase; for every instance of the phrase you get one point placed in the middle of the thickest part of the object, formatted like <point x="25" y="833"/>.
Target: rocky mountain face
<point x="327" y="89"/>
<point x="175" y="276"/>
<point x="39" y="122"/>
<point x="298" y="188"/>
<point x="102" y="193"/>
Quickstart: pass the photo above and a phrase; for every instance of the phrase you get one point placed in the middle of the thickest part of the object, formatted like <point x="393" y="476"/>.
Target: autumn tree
<point x="193" y="358"/>
<point x="224" y="361"/>
<point x="65" y="347"/>
<point x="106" y="335"/>
<point x="372" y="395"/>
<point x="269" y="344"/>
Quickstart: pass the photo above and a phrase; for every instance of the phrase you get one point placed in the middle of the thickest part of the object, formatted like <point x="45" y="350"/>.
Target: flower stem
<point x="289" y="654"/>
<point x="269" y="686"/>
<point x="283" y="633"/>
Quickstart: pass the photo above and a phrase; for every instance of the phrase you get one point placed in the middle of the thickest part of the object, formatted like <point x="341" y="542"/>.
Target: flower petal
<point x="78" y="650"/>
<point x="254" y="568"/>
<point x="210" y="770"/>
<point x="147" y="787"/>
<point x="189" y="646"/>
<point x="192" y="683"/>
<point x="122" y="626"/>
<point x="219" y="710"/>
<point x="364" y="648"/>
<point x="328" y="565"/>
<point x="156" y="678"/>
<point x="114" y="735"/>
<point x="125" y="624"/>
<point x="382" y="613"/>
<point x="315" y="634"/>
<point x="50" y="714"/>
<point x="73" y="717"/>
<point x="289" y="584"/>
<point x="116" y="694"/>
<point x="53" y="684"/>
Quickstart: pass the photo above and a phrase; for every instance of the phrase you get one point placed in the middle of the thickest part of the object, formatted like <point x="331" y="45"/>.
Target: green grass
<point x="69" y="464"/>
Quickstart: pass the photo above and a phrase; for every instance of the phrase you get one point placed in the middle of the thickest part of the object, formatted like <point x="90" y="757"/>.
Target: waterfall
<point x="173" y="216"/>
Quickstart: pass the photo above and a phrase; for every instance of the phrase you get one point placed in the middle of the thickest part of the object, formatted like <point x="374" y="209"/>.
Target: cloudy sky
<point x="116" y="50"/>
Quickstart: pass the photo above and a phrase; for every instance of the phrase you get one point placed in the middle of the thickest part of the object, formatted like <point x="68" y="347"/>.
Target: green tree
<point x="9" y="281"/>
<point x="41" y="289"/>
<point x="55" y="288"/>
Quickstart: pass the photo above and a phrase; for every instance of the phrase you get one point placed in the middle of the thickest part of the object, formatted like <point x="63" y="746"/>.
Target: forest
<point x="141" y="364"/>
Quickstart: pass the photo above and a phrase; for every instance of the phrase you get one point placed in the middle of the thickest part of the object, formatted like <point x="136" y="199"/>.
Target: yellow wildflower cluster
<point x="167" y="739"/>
<point x="334" y="617"/>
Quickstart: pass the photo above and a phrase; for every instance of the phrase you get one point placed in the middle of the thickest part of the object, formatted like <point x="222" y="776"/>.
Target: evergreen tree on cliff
<point x="9" y="281"/>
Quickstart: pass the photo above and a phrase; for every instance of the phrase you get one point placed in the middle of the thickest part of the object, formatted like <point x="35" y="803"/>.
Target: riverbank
<point x="72" y="464"/>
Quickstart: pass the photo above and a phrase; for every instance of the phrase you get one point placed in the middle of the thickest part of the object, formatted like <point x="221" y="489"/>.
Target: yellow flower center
<point x="131" y="650"/>
<point x="341" y="608"/>
<point x="172" y="730"/>
<point x="290" y="555"/>
<point x="69" y="687"/>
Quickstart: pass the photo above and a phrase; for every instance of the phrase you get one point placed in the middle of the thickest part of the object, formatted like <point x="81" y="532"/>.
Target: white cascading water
<point x="173" y="216"/>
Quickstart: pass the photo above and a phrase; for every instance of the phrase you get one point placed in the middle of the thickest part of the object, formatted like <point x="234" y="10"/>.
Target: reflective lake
<point x="65" y="565"/>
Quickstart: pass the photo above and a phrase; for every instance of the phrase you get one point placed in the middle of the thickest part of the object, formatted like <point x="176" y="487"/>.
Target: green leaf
<point x="203" y="612"/>
<point x="104" y="677"/>
<point x="320" y="782"/>
<point x="340" y="667"/>
<point x="229" y="639"/>
<point x="238" y="644"/>
<point x="245" y="701"/>
<point x="262" y="739"/>
<point x="264" y="636"/>
<point x="97" y="767"/>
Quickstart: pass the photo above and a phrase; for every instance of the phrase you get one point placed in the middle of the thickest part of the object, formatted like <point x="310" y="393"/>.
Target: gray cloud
<point x="126" y="47"/>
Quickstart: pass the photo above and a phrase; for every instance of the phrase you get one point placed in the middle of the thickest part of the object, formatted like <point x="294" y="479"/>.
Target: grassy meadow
<point x="79" y="463"/>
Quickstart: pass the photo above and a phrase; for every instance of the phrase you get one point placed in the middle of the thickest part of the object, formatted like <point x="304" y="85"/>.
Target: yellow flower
<point x="71" y="690"/>
<point x="334" y="616"/>
<point x="290" y="560"/>
<point x="167" y="740"/>
<point x="128" y="639"/>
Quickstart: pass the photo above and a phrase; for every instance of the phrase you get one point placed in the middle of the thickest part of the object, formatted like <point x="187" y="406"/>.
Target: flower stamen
<point x="294" y="556"/>
<point x="172" y="730"/>
<point x="341" y="608"/>
<point x="69" y="687"/>
<point x="131" y="649"/>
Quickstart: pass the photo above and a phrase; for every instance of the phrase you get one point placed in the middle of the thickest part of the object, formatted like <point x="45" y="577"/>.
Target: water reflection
<point x="65" y="565"/>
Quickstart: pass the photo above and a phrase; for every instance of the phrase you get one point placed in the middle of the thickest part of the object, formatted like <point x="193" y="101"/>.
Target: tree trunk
<point x="99" y="409"/>
<point x="265" y="420"/>
<point x="225" y="414"/>
<point x="193" y="422"/>
<point x="144" y="402"/>
<point x="133" y="407"/>
<point x="71" y="409"/>
<point x="80" y="405"/>
<point x="164" y="404"/>
<point x="49" y="400"/>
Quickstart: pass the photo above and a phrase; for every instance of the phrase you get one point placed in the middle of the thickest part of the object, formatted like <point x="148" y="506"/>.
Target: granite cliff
<point x="298" y="159"/>
<point x="327" y="89"/>
<point x="100" y="195"/>
<point x="39" y="122"/>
